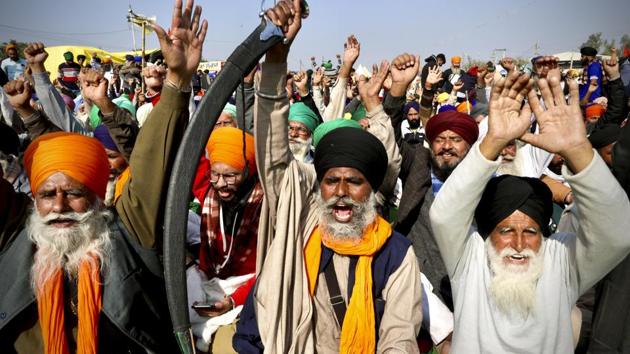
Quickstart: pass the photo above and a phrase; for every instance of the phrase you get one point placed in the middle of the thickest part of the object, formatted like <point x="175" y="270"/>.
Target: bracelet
<point x="272" y="97"/>
<point x="172" y="85"/>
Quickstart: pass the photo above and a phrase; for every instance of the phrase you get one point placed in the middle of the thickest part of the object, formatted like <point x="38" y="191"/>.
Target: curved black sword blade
<point x="241" y="62"/>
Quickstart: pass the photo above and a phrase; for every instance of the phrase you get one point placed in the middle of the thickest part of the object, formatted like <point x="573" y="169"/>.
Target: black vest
<point x="134" y="296"/>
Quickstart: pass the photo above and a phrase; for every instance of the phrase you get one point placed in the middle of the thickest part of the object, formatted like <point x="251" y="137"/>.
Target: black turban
<point x="9" y="141"/>
<point x="505" y="194"/>
<point x="604" y="135"/>
<point x="590" y="51"/>
<point x="352" y="147"/>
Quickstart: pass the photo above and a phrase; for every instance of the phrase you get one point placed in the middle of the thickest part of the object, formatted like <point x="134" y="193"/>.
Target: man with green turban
<point x="302" y="123"/>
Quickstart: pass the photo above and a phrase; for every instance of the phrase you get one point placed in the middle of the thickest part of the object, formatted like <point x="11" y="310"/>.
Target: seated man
<point x="514" y="283"/>
<point x="229" y="227"/>
<point x="80" y="278"/>
<point x="336" y="277"/>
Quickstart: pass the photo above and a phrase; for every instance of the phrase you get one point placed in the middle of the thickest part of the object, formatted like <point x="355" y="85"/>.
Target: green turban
<point x="299" y="112"/>
<point x="121" y="102"/>
<point x="230" y="109"/>
<point x="331" y="125"/>
<point x="359" y="113"/>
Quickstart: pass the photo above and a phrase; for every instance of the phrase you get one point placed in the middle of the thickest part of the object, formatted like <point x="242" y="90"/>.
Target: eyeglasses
<point x="300" y="131"/>
<point x="228" y="178"/>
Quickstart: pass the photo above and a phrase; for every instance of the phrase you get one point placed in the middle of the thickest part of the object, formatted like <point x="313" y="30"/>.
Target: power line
<point x="30" y="30"/>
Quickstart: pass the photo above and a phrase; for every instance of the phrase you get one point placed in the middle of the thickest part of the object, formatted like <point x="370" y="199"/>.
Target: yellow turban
<point x="75" y="155"/>
<point x="226" y="145"/>
<point x="443" y="97"/>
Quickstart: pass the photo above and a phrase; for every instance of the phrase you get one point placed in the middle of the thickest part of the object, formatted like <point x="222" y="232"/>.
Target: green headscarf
<point x="122" y="102"/>
<point x="230" y="109"/>
<point x="331" y="125"/>
<point x="301" y="113"/>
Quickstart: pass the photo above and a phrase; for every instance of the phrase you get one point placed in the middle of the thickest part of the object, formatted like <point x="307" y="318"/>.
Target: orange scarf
<point x="358" y="328"/>
<point x="50" y="306"/>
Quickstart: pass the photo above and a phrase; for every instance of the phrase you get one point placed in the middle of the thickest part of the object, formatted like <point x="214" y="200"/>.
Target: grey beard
<point x="300" y="149"/>
<point x="67" y="248"/>
<point x="363" y="214"/>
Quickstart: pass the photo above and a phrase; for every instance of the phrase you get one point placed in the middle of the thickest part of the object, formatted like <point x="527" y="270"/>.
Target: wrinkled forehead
<point x="60" y="180"/>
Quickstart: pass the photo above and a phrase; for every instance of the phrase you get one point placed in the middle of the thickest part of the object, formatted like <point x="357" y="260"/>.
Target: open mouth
<point x="342" y="213"/>
<point x="225" y="194"/>
<point x="61" y="223"/>
<point x="517" y="258"/>
<point x="448" y="155"/>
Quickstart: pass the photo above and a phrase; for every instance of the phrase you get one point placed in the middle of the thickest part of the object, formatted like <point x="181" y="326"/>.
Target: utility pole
<point x="141" y="21"/>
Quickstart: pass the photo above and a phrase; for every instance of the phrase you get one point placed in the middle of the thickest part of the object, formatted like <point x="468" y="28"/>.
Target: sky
<point x="385" y="28"/>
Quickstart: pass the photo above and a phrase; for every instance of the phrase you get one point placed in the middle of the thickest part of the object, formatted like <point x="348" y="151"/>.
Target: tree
<point x="594" y="40"/>
<point x="20" y="48"/>
<point x="608" y="45"/>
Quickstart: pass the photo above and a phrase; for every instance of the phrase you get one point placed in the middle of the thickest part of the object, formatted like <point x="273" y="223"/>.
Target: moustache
<point x="71" y="216"/>
<point x="345" y="201"/>
<point x="449" y="151"/>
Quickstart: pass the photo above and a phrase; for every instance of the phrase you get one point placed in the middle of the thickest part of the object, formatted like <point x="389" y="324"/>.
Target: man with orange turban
<point x="453" y="74"/>
<point x="79" y="277"/>
<point x="229" y="225"/>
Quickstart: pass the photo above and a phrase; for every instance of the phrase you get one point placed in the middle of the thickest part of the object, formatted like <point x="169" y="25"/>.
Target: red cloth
<point x="460" y="123"/>
<point x="241" y="259"/>
<point x="201" y="183"/>
<point x="240" y="295"/>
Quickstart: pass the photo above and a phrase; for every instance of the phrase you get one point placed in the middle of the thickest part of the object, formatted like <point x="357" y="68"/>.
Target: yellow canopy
<point x="55" y="56"/>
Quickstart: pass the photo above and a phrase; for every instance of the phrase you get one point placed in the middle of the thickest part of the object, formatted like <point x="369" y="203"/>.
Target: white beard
<point x="68" y="247"/>
<point x="513" y="287"/>
<point x="363" y="214"/>
<point x="110" y="191"/>
<point x="301" y="148"/>
<point x="509" y="168"/>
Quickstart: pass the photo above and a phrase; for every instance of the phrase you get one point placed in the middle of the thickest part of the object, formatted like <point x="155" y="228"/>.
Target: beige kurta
<point x="288" y="319"/>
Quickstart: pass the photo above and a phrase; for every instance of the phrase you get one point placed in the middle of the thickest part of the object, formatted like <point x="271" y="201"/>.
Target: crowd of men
<point x="410" y="208"/>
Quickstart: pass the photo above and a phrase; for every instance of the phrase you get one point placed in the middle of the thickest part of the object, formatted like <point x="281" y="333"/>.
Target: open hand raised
<point x="182" y="44"/>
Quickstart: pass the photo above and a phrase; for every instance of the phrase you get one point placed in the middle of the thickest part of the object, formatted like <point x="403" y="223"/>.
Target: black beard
<point x="414" y="124"/>
<point x="441" y="172"/>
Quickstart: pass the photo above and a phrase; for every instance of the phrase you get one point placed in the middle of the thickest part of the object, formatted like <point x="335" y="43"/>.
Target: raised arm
<point x="272" y="107"/>
<point x="141" y="205"/>
<point x="426" y="101"/>
<point x="453" y="209"/>
<point x="52" y="103"/>
<point x="334" y="110"/>
<point x="380" y="126"/>
<point x="19" y="96"/>
<point x="617" y="109"/>
<point x="246" y="94"/>
<point x="404" y="70"/>
<point x="602" y="239"/>
<point x="119" y="122"/>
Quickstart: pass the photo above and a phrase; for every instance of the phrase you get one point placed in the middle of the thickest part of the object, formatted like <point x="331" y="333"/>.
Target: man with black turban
<point x="336" y="277"/>
<point x="514" y="283"/>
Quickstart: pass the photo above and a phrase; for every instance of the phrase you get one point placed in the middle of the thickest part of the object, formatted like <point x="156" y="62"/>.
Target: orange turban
<point x="226" y="145"/>
<point x="75" y="155"/>
<point x="456" y="59"/>
<point x="595" y="110"/>
<point x="463" y="107"/>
